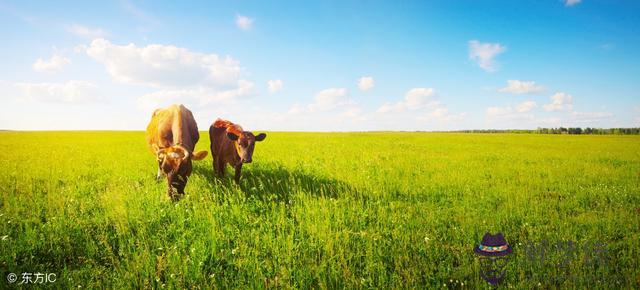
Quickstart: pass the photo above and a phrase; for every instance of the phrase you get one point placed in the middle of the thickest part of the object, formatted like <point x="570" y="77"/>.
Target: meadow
<point x="323" y="210"/>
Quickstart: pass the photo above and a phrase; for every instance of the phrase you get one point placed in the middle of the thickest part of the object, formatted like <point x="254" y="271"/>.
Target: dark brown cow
<point x="231" y="145"/>
<point x="172" y="135"/>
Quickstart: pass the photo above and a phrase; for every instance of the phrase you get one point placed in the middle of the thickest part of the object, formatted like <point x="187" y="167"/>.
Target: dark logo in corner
<point x="493" y="252"/>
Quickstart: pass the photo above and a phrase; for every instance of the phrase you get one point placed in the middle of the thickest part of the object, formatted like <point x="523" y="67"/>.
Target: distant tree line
<point x="563" y="130"/>
<point x="590" y="131"/>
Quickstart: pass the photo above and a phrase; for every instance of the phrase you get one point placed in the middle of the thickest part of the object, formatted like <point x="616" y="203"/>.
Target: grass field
<point x="323" y="210"/>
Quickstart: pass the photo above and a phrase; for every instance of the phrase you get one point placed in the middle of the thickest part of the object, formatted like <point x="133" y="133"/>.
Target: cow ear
<point x="199" y="155"/>
<point x="261" y="137"/>
<point x="232" y="136"/>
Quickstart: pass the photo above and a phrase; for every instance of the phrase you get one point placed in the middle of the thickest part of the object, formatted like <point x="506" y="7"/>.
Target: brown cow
<point x="172" y="135"/>
<point x="231" y="145"/>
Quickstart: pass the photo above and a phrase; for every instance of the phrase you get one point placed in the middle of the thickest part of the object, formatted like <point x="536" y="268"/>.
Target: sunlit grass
<point x="322" y="210"/>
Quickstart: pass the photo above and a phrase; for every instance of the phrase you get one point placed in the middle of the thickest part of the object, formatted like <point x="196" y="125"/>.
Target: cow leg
<point x="214" y="164"/>
<point x="159" y="175"/>
<point x="238" y="171"/>
<point x="220" y="167"/>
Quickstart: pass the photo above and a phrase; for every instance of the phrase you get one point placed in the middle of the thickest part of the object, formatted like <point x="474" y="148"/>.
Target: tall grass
<point x="322" y="210"/>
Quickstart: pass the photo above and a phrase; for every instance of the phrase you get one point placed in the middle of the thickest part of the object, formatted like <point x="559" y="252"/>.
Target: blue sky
<point x="321" y="66"/>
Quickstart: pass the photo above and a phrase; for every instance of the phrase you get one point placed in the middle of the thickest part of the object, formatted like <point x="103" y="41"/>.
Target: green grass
<point x="321" y="210"/>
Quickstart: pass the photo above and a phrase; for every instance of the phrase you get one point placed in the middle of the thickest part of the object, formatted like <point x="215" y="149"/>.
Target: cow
<point x="172" y="135"/>
<point x="231" y="145"/>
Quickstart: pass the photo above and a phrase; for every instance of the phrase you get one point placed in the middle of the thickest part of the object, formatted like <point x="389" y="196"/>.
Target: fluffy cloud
<point x="275" y="85"/>
<point x="526" y="106"/>
<point x="244" y="22"/>
<point x="420" y="104"/>
<point x="484" y="53"/>
<point x="329" y="99"/>
<point x="590" y="117"/>
<point x="55" y="63"/>
<point x="499" y="111"/>
<point x="571" y="2"/>
<point x="414" y="99"/>
<point x="521" y="87"/>
<point x="324" y="101"/>
<point x="559" y="101"/>
<point x="354" y="114"/>
<point x="172" y="69"/>
<point x="330" y="110"/>
<point x="88" y="32"/>
<point x="344" y="117"/>
<point x="520" y="112"/>
<point x="72" y="91"/>
<point x="366" y="83"/>
<point x="440" y="112"/>
<point x="198" y="96"/>
<point x="163" y="66"/>
<point x="420" y="93"/>
<point x="521" y="116"/>
<point x="296" y="109"/>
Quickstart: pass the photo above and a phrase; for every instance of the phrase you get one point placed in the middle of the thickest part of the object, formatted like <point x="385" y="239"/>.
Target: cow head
<point x="245" y="142"/>
<point x="175" y="163"/>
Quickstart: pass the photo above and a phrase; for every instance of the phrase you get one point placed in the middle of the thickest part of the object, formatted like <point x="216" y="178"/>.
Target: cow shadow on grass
<point x="274" y="182"/>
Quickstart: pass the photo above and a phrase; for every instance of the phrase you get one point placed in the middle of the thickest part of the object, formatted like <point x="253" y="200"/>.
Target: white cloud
<point x="509" y="117"/>
<point x="419" y="104"/>
<point x="484" y="54"/>
<point x="590" y="117"/>
<point x="275" y="85"/>
<point x="88" y="32"/>
<point x="296" y="109"/>
<point x="173" y="70"/>
<point x="559" y="101"/>
<point x="366" y="83"/>
<point x="571" y="2"/>
<point x="519" y="113"/>
<point x="521" y="117"/>
<point x="347" y="116"/>
<point x="244" y="22"/>
<point x="414" y="99"/>
<point x="526" y="106"/>
<point x="80" y="48"/>
<point x="72" y="91"/>
<point x="387" y="108"/>
<point x="440" y="112"/>
<point x="521" y="87"/>
<point x="354" y="114"/>
<point x="499" y="111"/>
<point x="164" y="66"/>
<point x="329" y="99"/>
<point x="324" y="101"/>
<point x="55" y="63"/>
<point x="196" y="96"/>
